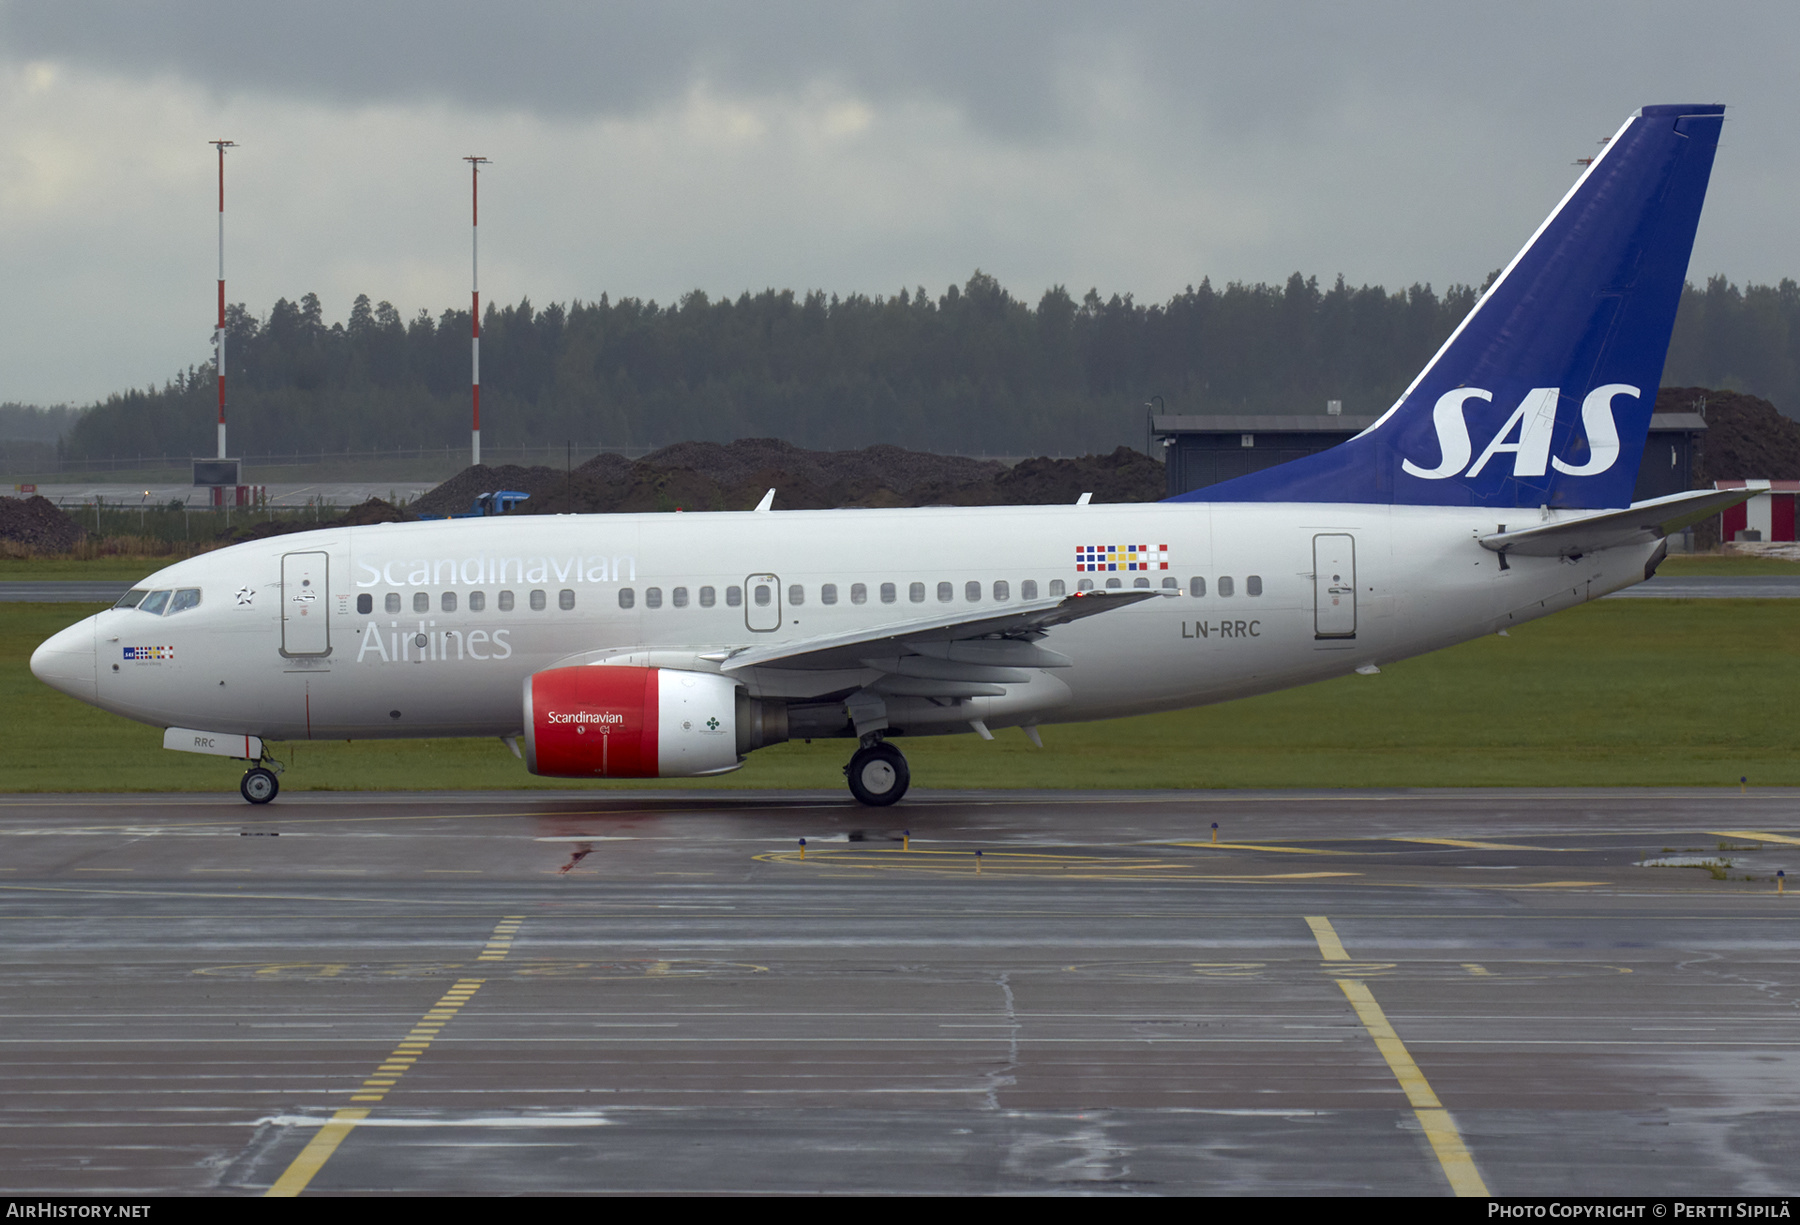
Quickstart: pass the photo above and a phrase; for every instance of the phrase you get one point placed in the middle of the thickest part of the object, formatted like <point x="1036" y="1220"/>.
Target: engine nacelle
<point x="608" y="721"/>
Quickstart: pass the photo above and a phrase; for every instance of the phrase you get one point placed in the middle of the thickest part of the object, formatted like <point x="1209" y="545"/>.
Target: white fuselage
<point x="402" y="629"/>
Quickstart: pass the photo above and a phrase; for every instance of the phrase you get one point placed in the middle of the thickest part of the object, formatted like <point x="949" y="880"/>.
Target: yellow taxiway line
<point x="1446" y="1141"/>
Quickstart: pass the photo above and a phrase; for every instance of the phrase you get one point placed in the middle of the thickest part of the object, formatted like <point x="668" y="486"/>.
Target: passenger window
<point x="1113" y="582"/>
<point x="1001" y="590"/>
<point x="1225" y="586"/>
<point x="946" y="593"/>
<point x="421" y="601"/>
<point x="1172" y="583"/>
<point x="678" y="597"/>
<point x="537" y="600"/>
<point x="653" y="597"/>
<point x="734" y="596"/>
<point x="392" y="603"/>
<point x="565" y="599"/>
<point x="477" y="601"/>
<point x="859" y="593"/>
<point x="154" y="603"/>
<point x="708" y="597"/>
<point x="1253" y="584"/>
<point x="889" y="593"/>
<point x="131" y="599"/>
<point x="627" y="597"/>
<point x="1028" y="589"/>
<point x="365" y="603"/>
<point x="1196" y="586"/>
<point x="506" y="601"/>
<point x="1086" y="584"/>
<point x="972" y="592"/>
<point x="916" y="593"/>
<point x="762" y="595"/>
<point x="1059" y="588"/>
<point x="1140" y="582"/>
<point x="796" y="594"/>
<point x="828" y="593"/>
<point x="448" y="603"/>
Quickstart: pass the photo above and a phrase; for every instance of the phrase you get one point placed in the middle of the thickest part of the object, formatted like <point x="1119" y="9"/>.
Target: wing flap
<point x="850" y="650"/>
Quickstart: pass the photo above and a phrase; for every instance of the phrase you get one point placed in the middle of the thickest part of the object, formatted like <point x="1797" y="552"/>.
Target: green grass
<point x="99" y="569"/>
<point x="1615" y="693"/>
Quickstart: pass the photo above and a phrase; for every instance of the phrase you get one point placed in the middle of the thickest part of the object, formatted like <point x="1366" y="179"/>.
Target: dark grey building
<point x="1201" y="451"/>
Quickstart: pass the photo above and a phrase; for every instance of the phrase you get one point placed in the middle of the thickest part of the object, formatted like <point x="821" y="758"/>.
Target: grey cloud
<point x="1017" y="68"/>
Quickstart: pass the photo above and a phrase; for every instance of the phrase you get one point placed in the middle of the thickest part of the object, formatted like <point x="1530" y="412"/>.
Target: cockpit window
<point x="130" y="598"/>
<point x="185" y="598"/>
<point x="154" y="603"/>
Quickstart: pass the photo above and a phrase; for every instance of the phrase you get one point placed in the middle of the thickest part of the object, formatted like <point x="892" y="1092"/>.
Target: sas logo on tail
<point x="1526" y="434"/>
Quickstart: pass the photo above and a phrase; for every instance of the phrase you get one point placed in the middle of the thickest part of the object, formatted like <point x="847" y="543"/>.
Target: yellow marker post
<point x="803" y="850"/>
<point x="1744" y="784"/>
<point x="1780" y="879"/>
<point x="978" y="863"/>
<point x="906" y="840"/>
<point x="1215" y="831"/>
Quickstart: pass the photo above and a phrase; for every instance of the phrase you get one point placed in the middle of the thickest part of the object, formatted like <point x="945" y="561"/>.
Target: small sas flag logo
<point x="149" y="652"/>
<point x="1092" y="557"/>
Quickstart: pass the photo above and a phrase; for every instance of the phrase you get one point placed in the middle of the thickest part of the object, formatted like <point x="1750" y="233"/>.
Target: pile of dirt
<point x="37" y="523"/>
<point x="373" y="511"/>
<point x="458" y="494"/>
<point x="734" y="476"/>
<point x="1746" y="437"/>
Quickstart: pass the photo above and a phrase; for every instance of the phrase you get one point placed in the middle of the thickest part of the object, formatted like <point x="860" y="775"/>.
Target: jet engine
<point x="616" y="721"/>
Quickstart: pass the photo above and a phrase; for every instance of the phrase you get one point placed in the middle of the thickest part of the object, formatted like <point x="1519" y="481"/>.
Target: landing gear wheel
<point x="878" y="775"/>
<point x="259" y="785"/>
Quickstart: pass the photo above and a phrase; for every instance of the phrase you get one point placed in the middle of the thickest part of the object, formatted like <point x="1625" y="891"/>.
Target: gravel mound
<point x="38" y="524"/>
<point x="734" y="476"/>
<point x="375" y="510"/>
<point x="1746" y="437"/>
<point x="459" y="492"/>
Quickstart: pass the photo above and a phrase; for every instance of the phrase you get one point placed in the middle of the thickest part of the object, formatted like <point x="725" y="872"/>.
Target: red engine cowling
<point x="604" y="721"/>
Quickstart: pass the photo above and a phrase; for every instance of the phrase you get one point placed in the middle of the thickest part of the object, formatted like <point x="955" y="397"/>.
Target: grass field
<point x="1615" y="693"/>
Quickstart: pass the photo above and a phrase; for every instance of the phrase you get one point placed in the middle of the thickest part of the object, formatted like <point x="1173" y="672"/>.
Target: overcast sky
<point x="647" y="149"/>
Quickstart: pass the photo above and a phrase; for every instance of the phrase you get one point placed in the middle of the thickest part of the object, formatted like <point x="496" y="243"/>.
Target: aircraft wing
<point x="1643" y="523"/>
<point x="929" y="637"/>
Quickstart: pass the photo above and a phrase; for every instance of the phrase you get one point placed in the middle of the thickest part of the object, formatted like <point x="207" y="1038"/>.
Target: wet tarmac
<point x="1347" y="993"/>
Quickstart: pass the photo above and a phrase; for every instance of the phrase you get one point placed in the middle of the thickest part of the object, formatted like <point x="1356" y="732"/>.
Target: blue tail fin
<point x="1542" y="396"/>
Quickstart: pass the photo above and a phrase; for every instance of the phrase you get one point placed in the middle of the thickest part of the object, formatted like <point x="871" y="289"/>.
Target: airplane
<point x="1495" y="490"/>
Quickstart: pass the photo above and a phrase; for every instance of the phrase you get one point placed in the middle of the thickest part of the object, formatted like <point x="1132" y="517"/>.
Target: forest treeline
<point x="973" y="370"/>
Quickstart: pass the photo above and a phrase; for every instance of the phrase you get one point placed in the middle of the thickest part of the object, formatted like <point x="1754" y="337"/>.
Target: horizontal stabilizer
<point x="1644" y="523"/>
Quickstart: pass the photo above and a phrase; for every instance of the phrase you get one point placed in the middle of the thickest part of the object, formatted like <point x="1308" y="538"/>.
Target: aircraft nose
<point x="66" y="661"/>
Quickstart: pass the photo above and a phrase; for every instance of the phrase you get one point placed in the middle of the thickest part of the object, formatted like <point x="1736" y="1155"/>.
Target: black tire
<point x="259" y="785"/>
<point x="878" y="775"/>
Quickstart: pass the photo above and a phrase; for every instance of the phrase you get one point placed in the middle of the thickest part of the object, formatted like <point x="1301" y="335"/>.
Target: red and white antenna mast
<point x="475" y="165"/>
<point x="219" y="332"/>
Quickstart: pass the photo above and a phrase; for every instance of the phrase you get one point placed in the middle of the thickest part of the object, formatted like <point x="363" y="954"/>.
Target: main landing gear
<point x="877" y="773"/>
<point x="259" y="784"/>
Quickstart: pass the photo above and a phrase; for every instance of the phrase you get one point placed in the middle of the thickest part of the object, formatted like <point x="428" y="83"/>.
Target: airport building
<point x="1204" y="450"/>
<point x="1767" y="517"/>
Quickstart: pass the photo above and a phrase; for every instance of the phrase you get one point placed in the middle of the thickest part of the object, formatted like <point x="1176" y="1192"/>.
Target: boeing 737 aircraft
<point x="1495" y="490"/>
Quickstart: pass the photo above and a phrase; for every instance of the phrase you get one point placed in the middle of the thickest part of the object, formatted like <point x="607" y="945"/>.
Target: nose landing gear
<point x="877" y="774"/>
